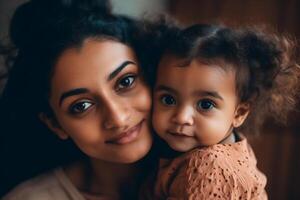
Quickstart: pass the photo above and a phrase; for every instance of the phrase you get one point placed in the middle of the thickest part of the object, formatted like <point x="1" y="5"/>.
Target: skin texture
<point x="105" y="111"/>
<point x="195" y="104"/>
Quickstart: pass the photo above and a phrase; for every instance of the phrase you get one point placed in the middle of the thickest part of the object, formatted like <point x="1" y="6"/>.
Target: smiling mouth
<point x="126" y="136"/>
<point x="177" y="134"/>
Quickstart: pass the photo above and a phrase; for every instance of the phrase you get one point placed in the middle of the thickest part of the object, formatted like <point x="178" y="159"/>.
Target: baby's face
<point x="194" y="105"/>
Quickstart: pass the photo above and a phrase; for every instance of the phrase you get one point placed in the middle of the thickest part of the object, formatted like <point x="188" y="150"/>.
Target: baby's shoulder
<point x="222" y="155"/>
<point x="219" y="161"/>
<point x="207" y="156"/>
<point x="219" y="168"/>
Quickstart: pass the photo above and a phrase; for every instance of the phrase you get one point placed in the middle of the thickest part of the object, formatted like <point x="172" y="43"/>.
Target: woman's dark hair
<point x="267" y="74"/>
<point x="40" y="31"/>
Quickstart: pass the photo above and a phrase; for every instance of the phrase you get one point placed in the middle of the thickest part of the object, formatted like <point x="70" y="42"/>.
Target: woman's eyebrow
<point x="72" y="93"/>
<point x="119" y="69"/>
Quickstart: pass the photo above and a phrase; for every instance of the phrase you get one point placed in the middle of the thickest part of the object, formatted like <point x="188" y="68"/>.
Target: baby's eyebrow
<point x="165" y="88"/>
<point x="209" y="93"/>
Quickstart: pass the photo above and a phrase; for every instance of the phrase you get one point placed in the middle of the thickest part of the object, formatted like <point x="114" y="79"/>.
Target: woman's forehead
<point x="93" y="62"/>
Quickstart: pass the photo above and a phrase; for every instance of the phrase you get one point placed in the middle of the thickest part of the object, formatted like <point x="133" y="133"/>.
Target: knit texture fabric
<point x="221" y="171"/>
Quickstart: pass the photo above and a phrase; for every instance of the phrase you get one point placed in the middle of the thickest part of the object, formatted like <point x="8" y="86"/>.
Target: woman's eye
<point x="168" y="100"/>
<point x="205" y="105"/>
<point x="80" y="107"/>
<point x="126" y="82"/>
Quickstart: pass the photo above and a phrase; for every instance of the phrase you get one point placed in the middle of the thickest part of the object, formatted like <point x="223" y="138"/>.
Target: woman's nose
<point x="116" y="115"/>
<point x="184" y="116"/>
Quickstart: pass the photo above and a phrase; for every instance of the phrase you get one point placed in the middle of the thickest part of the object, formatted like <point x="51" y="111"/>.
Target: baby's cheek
<point x="220" y="128"/>
<point x="210" y="130"/>
<point x="157" y="120"/>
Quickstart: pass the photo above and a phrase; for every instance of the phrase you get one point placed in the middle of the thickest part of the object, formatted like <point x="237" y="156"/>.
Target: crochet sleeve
<point x="212" y="175"/>
<point x="225" y="171"/>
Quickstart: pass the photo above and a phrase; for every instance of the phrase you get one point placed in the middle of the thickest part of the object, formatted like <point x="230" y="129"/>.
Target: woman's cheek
<point x="143" y="100"/>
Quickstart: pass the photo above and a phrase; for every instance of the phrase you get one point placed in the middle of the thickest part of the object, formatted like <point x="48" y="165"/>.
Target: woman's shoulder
<point x="39" y="187"/>
<point x="46" y="186"/>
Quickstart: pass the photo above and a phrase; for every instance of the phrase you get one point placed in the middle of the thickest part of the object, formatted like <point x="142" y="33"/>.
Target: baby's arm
<point x="207" y="179"/>
<point x="215" y="175"/>
<point x="211" y="173"/>
<point x="191" y="176"/>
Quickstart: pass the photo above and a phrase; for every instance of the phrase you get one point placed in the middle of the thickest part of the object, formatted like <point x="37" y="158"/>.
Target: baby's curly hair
<point x="267" y="73"/>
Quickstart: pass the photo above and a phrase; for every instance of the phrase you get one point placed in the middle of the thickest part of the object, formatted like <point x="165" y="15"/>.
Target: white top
<point x="48" y="186"/>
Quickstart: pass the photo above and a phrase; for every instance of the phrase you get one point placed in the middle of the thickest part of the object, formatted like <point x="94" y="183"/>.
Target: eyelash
<point x="131" y="84"/>
<point x="173" y="103"/>
<point x="212" y="103"/>
<point x="163" y="98"/>
<point x="73" y="107"/>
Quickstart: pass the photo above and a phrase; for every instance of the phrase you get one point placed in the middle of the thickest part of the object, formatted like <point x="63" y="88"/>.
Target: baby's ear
<point x="53" y="125"/>
<point x="241" y="114"/>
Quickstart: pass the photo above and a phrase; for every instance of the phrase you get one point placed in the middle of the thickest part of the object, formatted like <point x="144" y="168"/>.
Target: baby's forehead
<point x="171" y="60"/>
<point x="181" y="70"/>
<point x="190" y="75"/>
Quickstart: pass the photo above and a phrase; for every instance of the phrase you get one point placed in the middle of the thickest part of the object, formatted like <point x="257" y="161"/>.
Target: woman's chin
<point x="135" y="156"/>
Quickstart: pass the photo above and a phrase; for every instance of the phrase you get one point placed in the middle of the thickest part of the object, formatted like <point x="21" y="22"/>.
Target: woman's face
<point x="101" y="102"/>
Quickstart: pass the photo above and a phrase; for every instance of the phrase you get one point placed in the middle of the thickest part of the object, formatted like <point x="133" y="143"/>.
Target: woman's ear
<point x="53" y="125"/>
<point x="241" y="114"/>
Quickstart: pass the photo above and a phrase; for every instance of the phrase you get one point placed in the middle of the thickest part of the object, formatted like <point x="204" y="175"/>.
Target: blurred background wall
<point x="278" y="149"/>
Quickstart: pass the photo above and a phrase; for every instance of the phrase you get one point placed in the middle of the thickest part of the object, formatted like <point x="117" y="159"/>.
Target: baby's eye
<point x="205" y="105"/>
<point x="80" y="107"/>
<point x="126" y="82"/>
<point x="168" y="100"/>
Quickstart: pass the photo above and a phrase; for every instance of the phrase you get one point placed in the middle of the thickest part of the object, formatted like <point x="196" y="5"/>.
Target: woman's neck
<point x="105" y="178"/>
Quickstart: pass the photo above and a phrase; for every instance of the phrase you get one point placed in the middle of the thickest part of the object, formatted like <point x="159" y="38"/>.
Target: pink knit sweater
<point x="222" y="171"/>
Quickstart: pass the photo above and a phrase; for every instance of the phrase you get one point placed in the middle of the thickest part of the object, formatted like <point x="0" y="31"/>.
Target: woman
<point x="77" y="72"/>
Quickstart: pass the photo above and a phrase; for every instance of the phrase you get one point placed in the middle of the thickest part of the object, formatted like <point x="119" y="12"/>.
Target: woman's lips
<point x="127" y="136"/>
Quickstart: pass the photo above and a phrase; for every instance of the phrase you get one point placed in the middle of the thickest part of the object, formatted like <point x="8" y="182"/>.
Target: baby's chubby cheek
<point x="212" y="131"/>
<point x="158" y="122"/>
